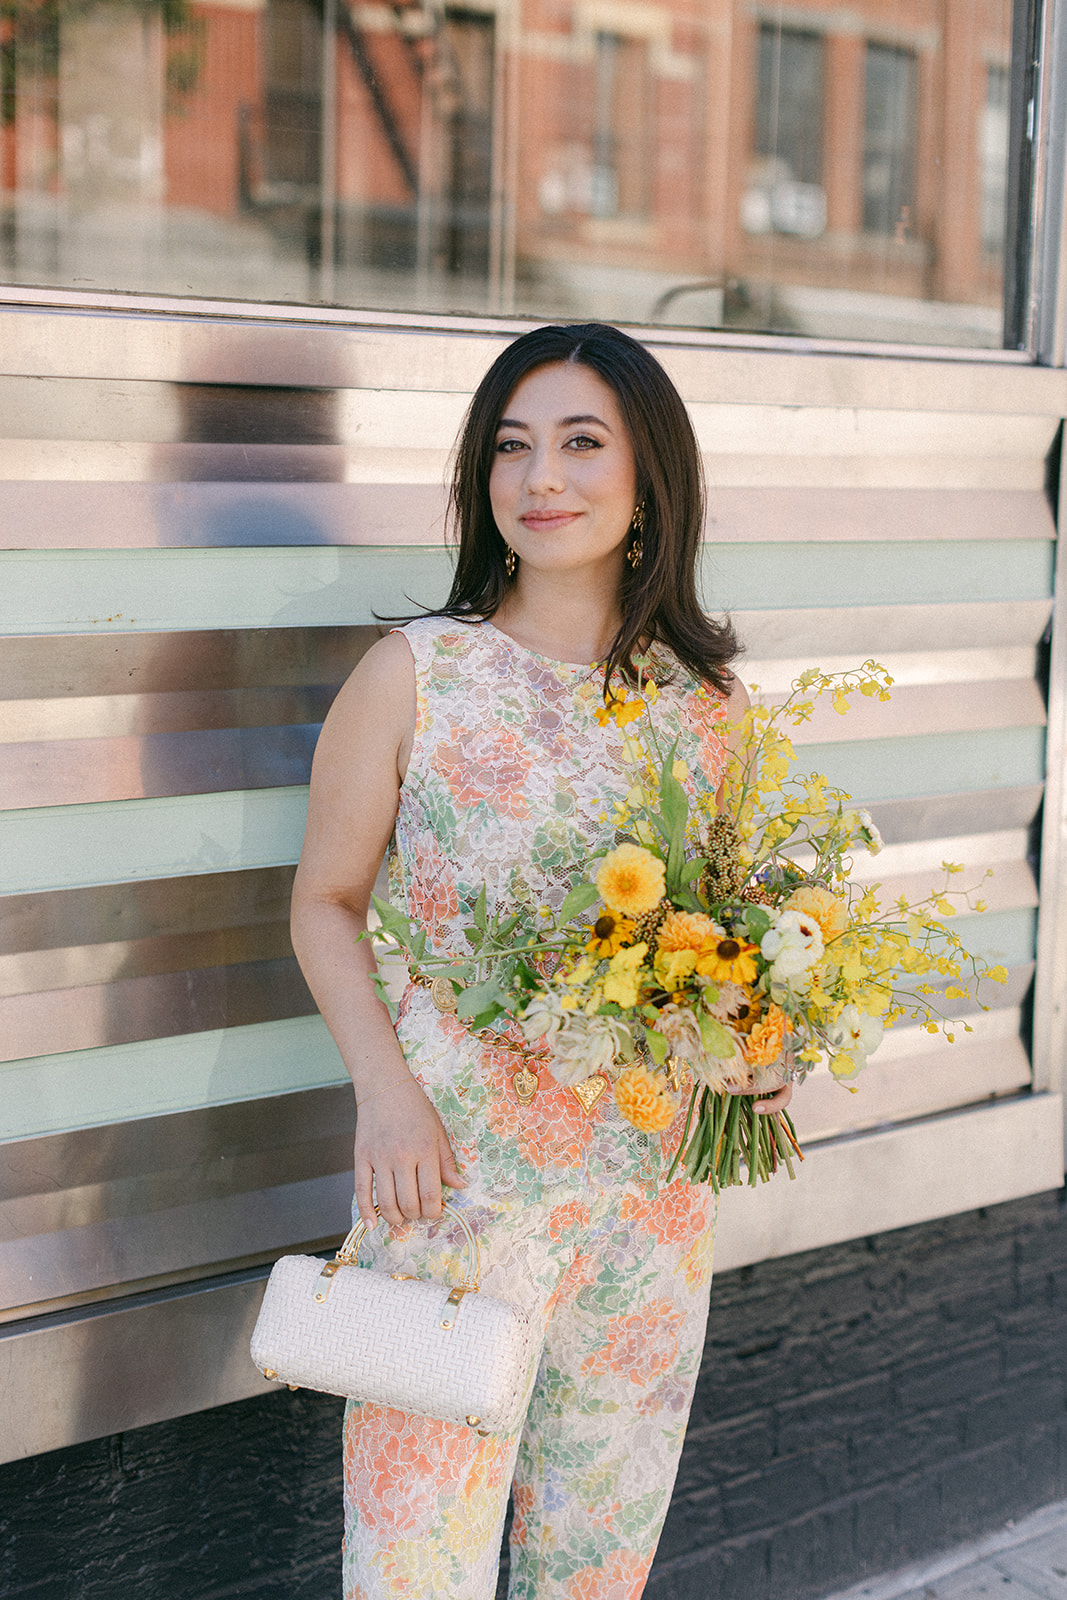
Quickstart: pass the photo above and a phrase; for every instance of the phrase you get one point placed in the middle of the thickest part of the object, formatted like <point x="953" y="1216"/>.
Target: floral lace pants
<point x="619" y="1279"/>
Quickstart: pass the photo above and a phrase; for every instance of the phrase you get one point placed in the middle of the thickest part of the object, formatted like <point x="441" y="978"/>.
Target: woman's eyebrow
<point x="564" y="422"/>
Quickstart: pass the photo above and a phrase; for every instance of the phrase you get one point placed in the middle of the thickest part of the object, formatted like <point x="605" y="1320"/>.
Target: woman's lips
<point x="541" y="521"/>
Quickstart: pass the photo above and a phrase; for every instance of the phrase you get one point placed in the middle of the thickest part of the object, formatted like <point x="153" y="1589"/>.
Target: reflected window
<point x="704" y="163"/>
<point x="620" y="127"/>
<point x="994" y="135"/>
<point x="889" y="133"/>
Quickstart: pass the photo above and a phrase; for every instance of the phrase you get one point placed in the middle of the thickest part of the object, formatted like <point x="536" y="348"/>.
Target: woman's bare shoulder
<point x="737" y="701"/>
<point x="378" y="697"/>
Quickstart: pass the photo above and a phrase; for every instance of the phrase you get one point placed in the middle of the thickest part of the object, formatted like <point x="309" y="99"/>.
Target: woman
<point x="470" y="739"/>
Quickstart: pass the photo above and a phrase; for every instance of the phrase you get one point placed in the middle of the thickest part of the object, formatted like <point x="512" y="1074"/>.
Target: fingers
<point x="450" y="1173"/>
<point x="776" y="1102"/>
<point x="364" y="1190"/>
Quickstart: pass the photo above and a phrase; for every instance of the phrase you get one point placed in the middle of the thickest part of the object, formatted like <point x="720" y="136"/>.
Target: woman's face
<point x="563" y="480"/>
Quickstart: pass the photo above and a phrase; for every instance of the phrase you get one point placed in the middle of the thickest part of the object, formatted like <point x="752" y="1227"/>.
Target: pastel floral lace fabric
<point x="619" y="1280"/>
<point x="512" y="782"/>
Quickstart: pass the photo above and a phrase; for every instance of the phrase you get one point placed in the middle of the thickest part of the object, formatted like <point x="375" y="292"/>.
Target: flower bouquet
<point x="719" y="949"/>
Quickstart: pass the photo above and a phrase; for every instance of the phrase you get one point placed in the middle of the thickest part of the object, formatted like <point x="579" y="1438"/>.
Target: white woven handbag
<point x="426" y="1347"/>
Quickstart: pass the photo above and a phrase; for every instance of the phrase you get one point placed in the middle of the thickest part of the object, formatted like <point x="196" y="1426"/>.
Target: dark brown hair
<point x="659" y="599"/>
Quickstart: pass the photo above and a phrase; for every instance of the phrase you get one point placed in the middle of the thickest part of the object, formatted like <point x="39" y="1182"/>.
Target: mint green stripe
<point x="63" y="847"/>
<point x="933" y="763"/>
<point x="76" y="591"/>
<point x="1009" y="937"/>
<point x="86" y="1088"/>
<point x="786" y="576"/>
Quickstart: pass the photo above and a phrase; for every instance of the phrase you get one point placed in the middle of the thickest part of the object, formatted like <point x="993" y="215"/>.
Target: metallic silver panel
<point x="47" y="666"/>
<point x="862" y="631"/>
<point x="174" y="711"/>
<point x="86" y="1213"/>
<point x="296" y="503"/>
<point x="158" y="1355"/>
<point x="147" y="910"/>
<point x="949" y="815"/>
<point x="185" y="514"/>
<point x="153" y="1007"/>
<point x="207" y="761"/>
<point x="50" y="332"/>
<point x="116" y="963"/>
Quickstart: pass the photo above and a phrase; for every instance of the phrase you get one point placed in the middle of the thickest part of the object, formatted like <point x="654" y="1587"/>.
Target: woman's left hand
<point x="776" y="1102"/>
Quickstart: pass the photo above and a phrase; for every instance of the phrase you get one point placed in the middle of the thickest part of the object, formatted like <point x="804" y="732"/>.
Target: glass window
<point x="889" y="133"/>
<point x="708" y="163"/>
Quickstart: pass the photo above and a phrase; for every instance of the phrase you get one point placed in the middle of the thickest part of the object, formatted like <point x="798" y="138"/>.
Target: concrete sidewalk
<point x="1018" y="1562"/>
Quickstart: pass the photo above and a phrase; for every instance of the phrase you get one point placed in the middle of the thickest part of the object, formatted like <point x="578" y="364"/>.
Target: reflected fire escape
<point x="430" y="107"/>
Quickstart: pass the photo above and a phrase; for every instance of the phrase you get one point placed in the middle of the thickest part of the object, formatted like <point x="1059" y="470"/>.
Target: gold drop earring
<point x="511" y="561"/>
<point x="637" y="547"/>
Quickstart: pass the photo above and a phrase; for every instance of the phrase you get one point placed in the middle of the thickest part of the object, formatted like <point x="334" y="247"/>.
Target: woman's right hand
<point x="402" y="1155"/>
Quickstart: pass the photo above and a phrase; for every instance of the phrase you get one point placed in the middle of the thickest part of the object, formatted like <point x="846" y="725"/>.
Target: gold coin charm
<point x="443" y="996"/>
<point x="524" y="1084"/>
<point x="588" y="1092"/>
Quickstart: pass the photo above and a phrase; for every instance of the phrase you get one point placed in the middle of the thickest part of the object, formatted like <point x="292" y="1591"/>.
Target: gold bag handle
<point x="346" y="1257"/>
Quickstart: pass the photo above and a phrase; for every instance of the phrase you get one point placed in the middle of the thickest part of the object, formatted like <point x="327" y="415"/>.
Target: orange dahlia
<point x="764" y="1043"/>
<point x="687" y="930"/>
<point x="644" y="1099"/>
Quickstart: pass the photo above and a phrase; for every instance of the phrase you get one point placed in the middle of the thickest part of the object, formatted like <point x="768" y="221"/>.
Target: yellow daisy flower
<point x="631" y="880"/>
<point x="729" y="961"/>
<point x="608" y="934"/>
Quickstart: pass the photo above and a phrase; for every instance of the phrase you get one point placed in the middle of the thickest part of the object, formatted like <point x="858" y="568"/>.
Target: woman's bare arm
<point x="401" y="1146"/>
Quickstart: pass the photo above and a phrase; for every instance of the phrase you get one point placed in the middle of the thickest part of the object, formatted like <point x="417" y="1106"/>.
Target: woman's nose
<point x="544" y="473"/>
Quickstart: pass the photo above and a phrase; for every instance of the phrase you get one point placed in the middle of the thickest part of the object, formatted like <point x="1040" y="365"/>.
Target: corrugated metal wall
<point x="201" y="517"/>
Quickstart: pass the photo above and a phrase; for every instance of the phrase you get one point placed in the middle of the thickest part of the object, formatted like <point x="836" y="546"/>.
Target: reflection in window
<point x="889" y="141"/>
<point x="690" y="161"/>
<point x="994" y="134"/>
<point x="620" y="127"/>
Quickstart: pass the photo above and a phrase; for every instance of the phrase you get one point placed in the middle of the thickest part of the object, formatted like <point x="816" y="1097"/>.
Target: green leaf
<point x="757" y="921"/>
<point x="717" y="1040"/>
<point x="580" y="898"/>
<point x="658" y="1047"/>
<point x="479" y="998"/>
<point x="693" y="868"/>
<point x="382" y="990"/>
<point x="479" y="911"/>
<point x="394" y="924"/>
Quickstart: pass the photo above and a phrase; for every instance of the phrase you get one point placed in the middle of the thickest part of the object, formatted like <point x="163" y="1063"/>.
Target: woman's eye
<point x="507" y="447"/>
<point x="585" y="441"/>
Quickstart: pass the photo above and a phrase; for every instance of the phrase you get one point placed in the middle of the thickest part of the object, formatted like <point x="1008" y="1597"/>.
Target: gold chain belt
<point x="525" y="1081"/>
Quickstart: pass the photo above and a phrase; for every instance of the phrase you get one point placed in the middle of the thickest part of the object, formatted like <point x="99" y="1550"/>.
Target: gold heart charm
<point x="443" y="995"/>
<point x="588" y="1092"/>
<point x="524" y="1084"/>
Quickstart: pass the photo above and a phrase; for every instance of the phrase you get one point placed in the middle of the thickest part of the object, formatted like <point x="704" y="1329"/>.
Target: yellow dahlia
<point x="729" y="961"/>
<point x="823" y="907"/>
<point x="687" y="930"/>
<point x="764" y="1043"/>
<point x="644" y="1099"/>
<point x="631" y="880"/>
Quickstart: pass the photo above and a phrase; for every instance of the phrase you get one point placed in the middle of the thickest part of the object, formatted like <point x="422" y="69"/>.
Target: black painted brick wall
<point x="860" y="1407"/>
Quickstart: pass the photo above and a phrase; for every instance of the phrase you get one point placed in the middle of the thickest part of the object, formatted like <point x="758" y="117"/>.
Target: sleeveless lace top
<point x="512" y="783"/>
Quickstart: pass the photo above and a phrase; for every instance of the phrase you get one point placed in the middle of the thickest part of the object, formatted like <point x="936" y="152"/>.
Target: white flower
<point x="792" y="944"/>
<point x="862" y="826"/>
<point x="543" y="1016"/>
<point x="585" y="1045"/>
<point x="681" y="1030"/>
<point x="858" y="1034"/>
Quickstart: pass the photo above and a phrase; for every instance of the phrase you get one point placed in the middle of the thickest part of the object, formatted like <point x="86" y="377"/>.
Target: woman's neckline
<point x="536" y="655"/>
